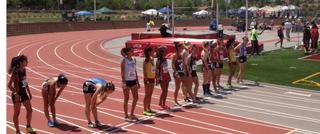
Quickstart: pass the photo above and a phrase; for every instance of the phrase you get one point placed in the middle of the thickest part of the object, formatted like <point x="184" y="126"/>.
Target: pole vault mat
<point x="140" y="45"/>
<point x="197" y="34"/>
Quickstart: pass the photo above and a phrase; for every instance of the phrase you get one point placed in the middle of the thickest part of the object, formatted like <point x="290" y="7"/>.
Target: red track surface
<point x="80" y="56"/>
<point x="313" y="57"/>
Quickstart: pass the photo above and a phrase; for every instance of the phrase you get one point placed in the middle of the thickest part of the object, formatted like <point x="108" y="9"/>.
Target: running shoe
<point x="147" y="113"/>
<point x="229" y="86"/>
<point x="127" y="119"/>
<point x="50" y="123"/>
<point x="165" y="107"/>
<point x="56" y="123"/>
<point x="30" y="130"/>
<point x="187" y="99"/>
<point x="98" y="124"/>
<point x="134" y="118"/>
<point x="91" y="125"/>
<point x="151" y="111"/>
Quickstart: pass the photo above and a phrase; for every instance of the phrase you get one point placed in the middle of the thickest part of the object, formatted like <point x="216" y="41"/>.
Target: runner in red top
<point x="162" y="76"/>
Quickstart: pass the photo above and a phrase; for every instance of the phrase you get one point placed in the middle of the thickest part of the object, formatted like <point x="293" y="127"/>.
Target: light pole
<point x="94" y="9"/>
<point x="246" y="32"/>
<point x="217" y="12"/>
<point x="172" y="7"/>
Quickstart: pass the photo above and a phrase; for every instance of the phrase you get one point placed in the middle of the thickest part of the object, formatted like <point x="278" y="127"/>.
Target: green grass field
<point x="282" y="67"/>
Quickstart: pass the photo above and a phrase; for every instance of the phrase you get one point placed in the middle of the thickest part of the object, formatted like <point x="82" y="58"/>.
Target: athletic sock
<point x="204" y="87"/>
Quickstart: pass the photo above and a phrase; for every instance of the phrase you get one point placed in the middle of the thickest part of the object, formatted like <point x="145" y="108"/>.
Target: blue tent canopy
<point x="165" y="10"/>
<point x="84" y="13"/>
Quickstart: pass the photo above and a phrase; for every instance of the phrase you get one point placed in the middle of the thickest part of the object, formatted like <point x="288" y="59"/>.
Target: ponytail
<point x="15" y="63"/>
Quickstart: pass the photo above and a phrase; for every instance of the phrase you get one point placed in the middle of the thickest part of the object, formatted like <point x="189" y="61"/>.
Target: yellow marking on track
<point x="305" y="81"/>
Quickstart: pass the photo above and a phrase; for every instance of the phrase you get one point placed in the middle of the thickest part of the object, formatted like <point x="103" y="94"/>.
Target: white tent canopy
<point x="202" y="12"/>
<point x="285" y="8"/>
<point x="267" y="9"/>
<point x="277" y="8"/>
<point x="253" y="8"/>
<point x="242" y="8"/>
<point x="293" y="7"/>
<point x="151" y="12"/>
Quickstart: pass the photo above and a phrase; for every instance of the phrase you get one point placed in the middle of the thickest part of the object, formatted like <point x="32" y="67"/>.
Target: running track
<point x="80" y="56"/>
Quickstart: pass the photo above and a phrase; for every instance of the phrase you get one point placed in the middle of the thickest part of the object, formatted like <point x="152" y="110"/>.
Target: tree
<point x="13" y="3"/>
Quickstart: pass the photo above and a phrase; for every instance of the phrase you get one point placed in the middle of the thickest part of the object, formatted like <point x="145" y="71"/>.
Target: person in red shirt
<point x="314" y="38"/>
<point x="162" y="75"/>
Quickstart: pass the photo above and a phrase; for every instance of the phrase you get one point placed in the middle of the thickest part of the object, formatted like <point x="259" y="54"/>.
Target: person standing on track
<point x="180" y="73"/>
<point x="130" y="82"/>
<point x="50" y="96"/>
<point x="242" y="58"/>
<point x="232" y="62"/>
<point x="163" y="76"/>
<point x="192" y="67"/>
<point x="219" y="54"/>
<point x="149" y="80"/>
<point x="185" y="54"/>
<point x="20" y="91"/>
<point x="213" y="59"/>
<point x="95" y="90"/>
<point x="206" y="68"/>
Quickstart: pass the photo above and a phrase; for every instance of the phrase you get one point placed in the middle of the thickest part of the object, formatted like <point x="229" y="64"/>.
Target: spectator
<point x="314" y="38"/>
<point x="288" y="27"/>
<point x="163" y="30"/>
<point x="280" y="35"/>
<point x="150" y="24"/>
<point x="254" y="40"/>
<point x="306" y="38"/>
<point x="213" y="25"/>
<point x="253" y="23"/>
<point x="220" y="31"/>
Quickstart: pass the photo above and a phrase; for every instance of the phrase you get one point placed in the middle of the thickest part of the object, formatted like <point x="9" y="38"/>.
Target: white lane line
<point x="35" y="109"/>
<point x="259" y="120"/>
<point x="274" y="96"/>
<point x="13" y="128"/>
<point x="282" y="114"/>
<point x="285" y="95"/>
<point x="55" y="50"/>
<point x="298" y="94"/>
<point x="37" y="130"/>
<point x="274" y="103"/>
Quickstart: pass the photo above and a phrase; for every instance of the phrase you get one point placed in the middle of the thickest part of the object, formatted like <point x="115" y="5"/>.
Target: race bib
<point x="153" y="69"/>
<point x="194" y="67"/>
<point x="165" y="68"/>
<point x="24" y="83"/>
<point x="132" y="75"/>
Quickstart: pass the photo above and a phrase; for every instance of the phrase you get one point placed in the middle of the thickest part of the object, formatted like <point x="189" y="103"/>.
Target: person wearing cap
<point x="50" y="96"/>
<point x="95" y="90"/>
<point x="163" y="30"/>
